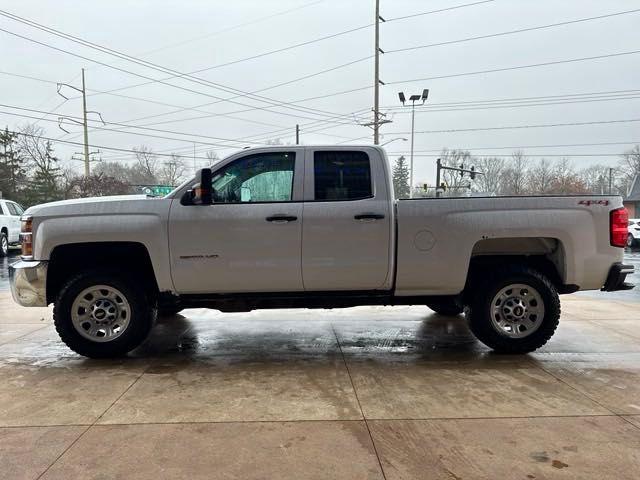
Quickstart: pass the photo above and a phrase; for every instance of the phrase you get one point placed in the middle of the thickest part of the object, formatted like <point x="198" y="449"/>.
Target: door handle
<point x="369" y="216"/>
<point x="279" y="218"/>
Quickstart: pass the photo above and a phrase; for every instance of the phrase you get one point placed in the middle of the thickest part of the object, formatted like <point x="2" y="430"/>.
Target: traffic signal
<point x="473" y="173"/>
<point x="461" y="170"/>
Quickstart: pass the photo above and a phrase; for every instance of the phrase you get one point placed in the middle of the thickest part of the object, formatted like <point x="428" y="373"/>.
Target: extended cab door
<point x="347" y="228"/>
<point x="249" y="239"/>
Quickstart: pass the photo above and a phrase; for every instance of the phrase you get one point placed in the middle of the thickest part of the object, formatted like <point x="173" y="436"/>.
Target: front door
<point x="249" y="239"/>
<point x="347" y="223"/>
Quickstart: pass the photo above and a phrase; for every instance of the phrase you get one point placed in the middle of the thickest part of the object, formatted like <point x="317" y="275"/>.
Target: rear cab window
<point x="342" y="175"/>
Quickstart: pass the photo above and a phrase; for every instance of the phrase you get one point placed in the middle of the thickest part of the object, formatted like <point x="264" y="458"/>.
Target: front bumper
<point x="28" y="281"/>
<point x="616" y="278"/>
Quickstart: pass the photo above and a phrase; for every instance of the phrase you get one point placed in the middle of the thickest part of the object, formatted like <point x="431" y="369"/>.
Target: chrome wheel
<point x="517" y="310"/>
<point x="100" y="313"/>
<point x="4" y="245"/>
<point x="630" y="240"/>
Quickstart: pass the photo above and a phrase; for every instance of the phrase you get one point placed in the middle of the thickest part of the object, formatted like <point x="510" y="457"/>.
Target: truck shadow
<point x="431" y="337"/>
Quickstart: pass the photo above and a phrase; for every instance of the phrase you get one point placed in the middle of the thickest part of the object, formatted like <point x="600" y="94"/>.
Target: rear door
<point x="249" y="239"/>
<point x="346" y="232"/>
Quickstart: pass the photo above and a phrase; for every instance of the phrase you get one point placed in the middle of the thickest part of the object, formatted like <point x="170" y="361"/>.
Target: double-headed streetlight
<point x="413" y="99"/>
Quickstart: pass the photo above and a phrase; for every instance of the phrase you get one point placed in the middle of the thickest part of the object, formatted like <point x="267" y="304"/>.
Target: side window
<point x="341" y="175"/>
<point x="12" y="209"/>
<point x="263" y="177"/>
<point x="15" y="209"/>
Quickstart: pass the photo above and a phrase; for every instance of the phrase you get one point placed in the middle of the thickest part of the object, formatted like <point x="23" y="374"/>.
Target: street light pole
<point x="413" y="98"/>
<point x="413" y="121"/>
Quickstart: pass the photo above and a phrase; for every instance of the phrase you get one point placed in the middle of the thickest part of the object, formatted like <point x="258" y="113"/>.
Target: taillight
<point x="26" y="236"/>
<point x="618" y="231"/>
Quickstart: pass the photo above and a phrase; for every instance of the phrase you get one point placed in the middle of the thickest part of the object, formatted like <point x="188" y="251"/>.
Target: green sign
<point x="155" y="190"/>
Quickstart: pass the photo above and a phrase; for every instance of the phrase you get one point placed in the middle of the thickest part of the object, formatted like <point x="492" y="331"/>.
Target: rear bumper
<point x="616" y="278"/>
<point x="28" y="281"/>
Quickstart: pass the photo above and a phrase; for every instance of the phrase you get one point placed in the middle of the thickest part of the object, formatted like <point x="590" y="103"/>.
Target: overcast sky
<point x="193" y="35"/>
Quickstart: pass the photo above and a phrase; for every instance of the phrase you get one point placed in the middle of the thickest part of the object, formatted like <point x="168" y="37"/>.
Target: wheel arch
<point x="544" y="254"/>
<point x="129" y="258"/>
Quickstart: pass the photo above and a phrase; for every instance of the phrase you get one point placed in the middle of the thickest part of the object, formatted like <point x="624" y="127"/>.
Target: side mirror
<point x="200" y="194"/>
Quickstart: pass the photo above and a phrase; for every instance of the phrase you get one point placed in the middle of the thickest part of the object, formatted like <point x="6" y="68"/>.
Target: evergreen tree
<point x="401" y="178"/>
<point x="12" y="168"/>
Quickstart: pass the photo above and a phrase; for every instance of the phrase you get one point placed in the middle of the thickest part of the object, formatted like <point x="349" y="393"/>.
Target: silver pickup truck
<point x="314" y="227"/>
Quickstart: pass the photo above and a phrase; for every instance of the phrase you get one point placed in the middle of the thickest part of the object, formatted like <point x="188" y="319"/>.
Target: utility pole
<point x="376" y="80"/>
<point x="86" y="154"/>
<point x="86" y="131"/>
<point x="297" y="134"/>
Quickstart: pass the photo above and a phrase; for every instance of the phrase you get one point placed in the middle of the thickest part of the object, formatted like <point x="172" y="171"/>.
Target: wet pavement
<point x="367" y="392"/>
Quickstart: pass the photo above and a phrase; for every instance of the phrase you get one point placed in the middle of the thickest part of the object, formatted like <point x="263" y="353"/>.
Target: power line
<point x="533" y="65"/>
<point x="55" y="140"/>
<point x="520" y="105"/>
<point x="233" y="27"/>
<point x="519" y="147"/>
<point x="397" y="82"/>
<point x="522" y="99"/>
<point x="145" y="134"/>
<point x="273" y="103"/>
<point x="500" y="155"/>
<point x="414" y="15"/>
<point x="511" y="32"/>
<point x="154" y="66"/>
<point x="510" y="127"/>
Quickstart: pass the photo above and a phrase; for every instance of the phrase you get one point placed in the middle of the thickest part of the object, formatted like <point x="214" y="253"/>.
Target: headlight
<point x="26" y="236"/>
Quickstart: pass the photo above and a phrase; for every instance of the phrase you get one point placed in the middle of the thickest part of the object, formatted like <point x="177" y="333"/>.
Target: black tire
<point x="630" y="241"/>
<point x="479" y="314"/>
<point x="169" y="311"/>
<point x="448" y="307"/>
<point x="141" y="315"/>
<point x="4" y="245"/>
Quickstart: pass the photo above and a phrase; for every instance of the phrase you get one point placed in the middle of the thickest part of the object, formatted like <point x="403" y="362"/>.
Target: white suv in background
<point x="9" y="225"/>
<point x="634" y="232"/>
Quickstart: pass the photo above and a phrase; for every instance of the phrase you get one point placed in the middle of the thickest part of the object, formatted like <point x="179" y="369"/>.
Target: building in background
<point x="632" y="200"/>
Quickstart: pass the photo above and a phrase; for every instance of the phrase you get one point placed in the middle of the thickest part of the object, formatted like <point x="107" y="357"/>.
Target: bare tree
<point x="40" y="159"/>
<point x="514" y="178"/>
<point x="147" y="166"/>
<point x="492" y="168"/>
<point x="596" y="178"/>
<point x="565" y="180"/>
<point x="540" y="178"/>
<point x="173" y="172"/>
<point x="629" y="167"/>
<point x="213" y="157"/>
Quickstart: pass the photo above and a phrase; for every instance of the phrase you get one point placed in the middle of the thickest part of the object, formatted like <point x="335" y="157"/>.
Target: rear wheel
<point x="102" y="314"/>
<point x="630" y="240"/>
<point x="516" y="310"/>
<point x="4" y="245"/>
<point x="448" y="307"/>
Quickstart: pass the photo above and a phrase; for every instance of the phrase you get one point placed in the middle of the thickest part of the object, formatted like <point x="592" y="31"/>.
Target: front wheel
<point x="102" y="314"/>
<point x="516" y="310"/>
<point x="630" y="240"/>
<point x="4" y="245"/>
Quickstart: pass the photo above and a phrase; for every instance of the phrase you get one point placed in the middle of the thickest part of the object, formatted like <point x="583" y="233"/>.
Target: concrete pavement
<point x="368" y="392"/>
